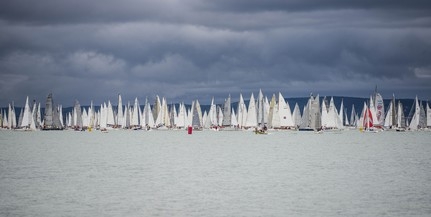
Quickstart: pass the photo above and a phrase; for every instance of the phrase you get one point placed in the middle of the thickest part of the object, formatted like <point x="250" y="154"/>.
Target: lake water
<point x="208" y="173"/>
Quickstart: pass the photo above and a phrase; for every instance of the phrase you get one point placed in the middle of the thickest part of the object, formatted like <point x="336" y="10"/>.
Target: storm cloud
<point x="183" y="50"/>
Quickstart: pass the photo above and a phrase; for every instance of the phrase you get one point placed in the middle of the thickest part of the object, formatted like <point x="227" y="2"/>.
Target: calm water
<point x="170" y="173"/>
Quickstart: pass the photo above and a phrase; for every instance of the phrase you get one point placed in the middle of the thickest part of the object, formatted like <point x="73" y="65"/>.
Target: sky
<point x="199" y="49"/>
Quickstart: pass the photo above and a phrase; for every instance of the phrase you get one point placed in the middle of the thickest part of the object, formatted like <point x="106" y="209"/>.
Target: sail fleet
<point x="260" y="112"/>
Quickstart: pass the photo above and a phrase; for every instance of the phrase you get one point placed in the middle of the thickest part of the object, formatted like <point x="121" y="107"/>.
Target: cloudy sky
<point x="197" y="49"/>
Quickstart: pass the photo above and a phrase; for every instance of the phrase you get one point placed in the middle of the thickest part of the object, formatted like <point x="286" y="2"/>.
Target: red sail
<point x="368" y="119"/>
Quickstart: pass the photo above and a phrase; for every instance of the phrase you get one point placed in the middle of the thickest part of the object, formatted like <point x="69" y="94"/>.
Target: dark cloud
<point x="93" y="50"/>
<point x="309" y="5"/>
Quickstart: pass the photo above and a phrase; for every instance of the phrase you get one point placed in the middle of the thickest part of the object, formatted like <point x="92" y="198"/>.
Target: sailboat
<point x="251" y="121"/>
<point x="182" y="116"/>
<point x="11" y="124"/>
<point x="262" y="128"/>
<point x="241" y="112"/>
<point x="77" y="116"/>
<point x="120" y="115"/>
<point x="311" y="116"/>
<point x="51" y="119"/>
<point x="273" y="115"/>
<point x="196" y="116"/>
<point x="390" y="119"/>
<point x="284" y="113"/>
<point x="212" y="115"/>
<point x="380" y="110"/>
<point x="25" y="116"/>
<point x="110" y="119"/>
<point x="296" y="116"/>
<point x="417" y="116"/>
<point x="400" y="122"/>
<point x="330" y="116"/>
<point x="428" y="116"/>
<point x="367" y="120"/>
<point x="228" y="123"/>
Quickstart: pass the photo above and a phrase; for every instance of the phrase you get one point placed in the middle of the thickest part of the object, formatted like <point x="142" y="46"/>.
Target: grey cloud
<point x="307" y="5"/>
<point x="199" y="49"/>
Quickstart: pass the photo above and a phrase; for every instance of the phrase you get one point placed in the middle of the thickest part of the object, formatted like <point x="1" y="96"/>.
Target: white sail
<point x="91" y="114"/>
<point x="77" y="115"/>
<point x="332" y="117"/>
<point x="271" y="121"/>
<point x="252" y="113"/>
<point x="156" y="110"/>
<point x="165" y="111"/>
<point x="353" y="119"/>
<point x="260" y="108"/>
<point x="69" y="120"/>
<point x="181" y="116"/>
<point x="305" y="119"/>
<point x="4" y="122"/>
<point x="414" y="122"/>
<point x="242" y="112"/>
<point x="315" y="122"/>
<point x="373" y="110"/>
<point x="33" y="117"/>
<point x="148" y="115"/>
<point x="189" y="116"/>
<point x="296" y="116"/>
<point x="265" y="110"/>
<point x="174" y="116"/>
<point x="380" y="110"/>
<point x="338" y="119"/>
<point x="127" y="115"/>
<point x="346" y="120"/>
<point x="227" y="121"/>
<point x="141" y="117"/>
<point x="428" y="115"/>
<point x="103" y="116"/>
<point x="85" y="120"/>
<point x="196" y="115"/>
<point x="422" y="116"/>
<point x="12" y="117"/>
<point x="120" y="113"/>
<point x="21" y="114"/>
<point x="212" y="113"/>
<point x="341" y="112"/>
<point x="110" y="120"/>
<point x="144" y="115"/>
<point x="48" y="117"/>
<point x="361" y="118"/>
<point x="206" y="120"/>
<point x="390" y="119"/>
<point x="401" y="122"/>
<point x="26" y="115"/>
<point x="234" y="119"/>
<point x="285" y="113"/>
<point x="60" y="116"/>
<point x="32" y="124"/>
<point x="219" y="116"/>
<point x="134" y="120"/>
